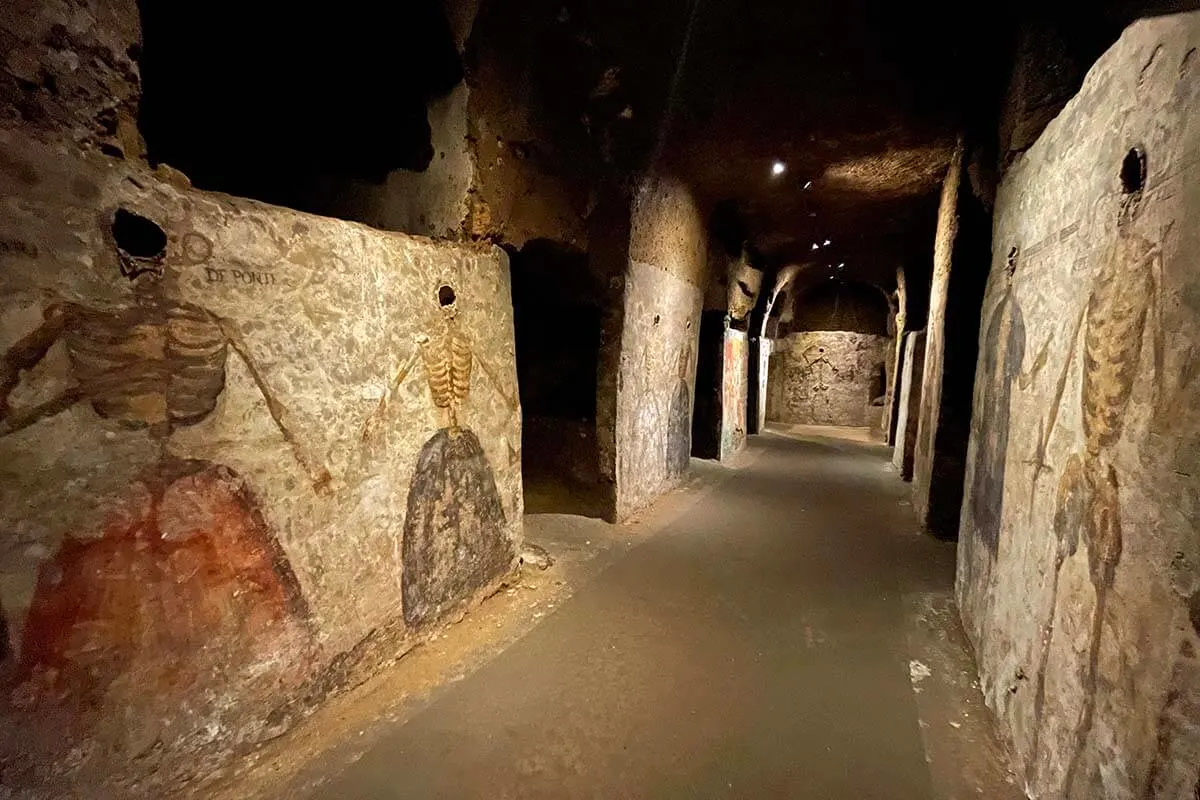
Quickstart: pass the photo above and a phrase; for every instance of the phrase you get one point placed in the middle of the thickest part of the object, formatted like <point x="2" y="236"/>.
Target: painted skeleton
<point x="447" y="357"/>
<point x="158" y="365"/>
<point x="1124" y="299"/>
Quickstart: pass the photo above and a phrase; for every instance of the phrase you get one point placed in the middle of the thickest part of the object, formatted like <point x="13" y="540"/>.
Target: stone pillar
<point x="961" y="251"/>
<point x="908" y="403"/>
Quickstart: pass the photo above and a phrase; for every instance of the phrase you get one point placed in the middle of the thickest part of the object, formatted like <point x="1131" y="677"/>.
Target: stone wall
<point x="229" y="455"/>
<point x="663" y="295"/>
<point x="826" y="378"/>
<point x="909" y="403"/>
<point x="735" y="375"/>
<point x="70" y="68"/>
<point x="1079" y="561"/>
<point x="935" y="339"/>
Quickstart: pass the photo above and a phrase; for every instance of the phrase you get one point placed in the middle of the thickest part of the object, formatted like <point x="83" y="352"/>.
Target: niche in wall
<point x="557" y="316"/>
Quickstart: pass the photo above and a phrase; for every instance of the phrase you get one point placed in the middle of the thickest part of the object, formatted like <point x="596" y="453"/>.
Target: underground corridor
<point x="523" y="399"/>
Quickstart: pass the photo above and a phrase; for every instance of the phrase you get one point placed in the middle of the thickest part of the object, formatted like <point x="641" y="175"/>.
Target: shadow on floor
<point x="558" y="494"/>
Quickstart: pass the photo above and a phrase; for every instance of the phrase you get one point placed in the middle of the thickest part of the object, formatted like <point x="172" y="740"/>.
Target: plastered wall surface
<point x="909" y="399"/>
<point x="663" y="296"/>
<point x="1079" y="560"/>
<point x="227" y="455"/>
<point x="735" y="376"/>
<point x="826" y="378"/>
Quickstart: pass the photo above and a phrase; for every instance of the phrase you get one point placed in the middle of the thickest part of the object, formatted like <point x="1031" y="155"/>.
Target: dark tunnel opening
<point x="557" y="318"/>
<point x="290" y="102"/>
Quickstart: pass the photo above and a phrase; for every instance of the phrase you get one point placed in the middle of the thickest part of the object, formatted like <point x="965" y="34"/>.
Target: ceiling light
<point x="842" y="265"/>
<point x="778" y="168"/>
<point x="808" y="184"/>
<point x="816" y="246"/>
<point x="827" y="243"/>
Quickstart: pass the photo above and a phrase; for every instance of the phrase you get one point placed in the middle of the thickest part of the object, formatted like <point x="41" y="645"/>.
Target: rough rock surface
<point x="909" y="398"/>
<point x="211" y="420"/>
<point x="825" y="378"/>
<point x="926" y="460"/>
<point x="70" y="66"/>
<point x="663" y="296"/>
<point x="1079" y="562"/>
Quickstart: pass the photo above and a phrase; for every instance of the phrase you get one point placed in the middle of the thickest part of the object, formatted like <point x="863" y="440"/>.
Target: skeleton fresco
<point x="454" y="539"/>
<point x="1124" y="301"/>
<point x="185" y="584"/>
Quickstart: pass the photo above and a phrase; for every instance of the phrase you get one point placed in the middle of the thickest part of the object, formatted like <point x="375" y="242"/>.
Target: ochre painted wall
<point x="735" y="374"/>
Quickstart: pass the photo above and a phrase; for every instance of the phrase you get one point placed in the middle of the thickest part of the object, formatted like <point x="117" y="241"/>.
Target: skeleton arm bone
<point x="512" y="402"/>
<point x="1039" y="458"/>
<point x="29" y="350"/>
<point x="373" y="423"/>
<point x="26" y="353"/>
<point x="321" y="479"/>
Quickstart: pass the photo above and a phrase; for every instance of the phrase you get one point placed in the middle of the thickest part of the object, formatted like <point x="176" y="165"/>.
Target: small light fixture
<point x="827" y="243"/>
<point x="808" y="184"/>
<point x="842" y="265"/>
<point x="816" y="246"/>
<point x="778" y="168"/>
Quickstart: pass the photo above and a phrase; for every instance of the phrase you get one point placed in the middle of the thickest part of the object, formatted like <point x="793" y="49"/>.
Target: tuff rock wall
<point x="663" y="292"/>
<point x="1079" y="559"/>
<point x="908" y="400"/>
<point x="231" y="436"/>
<point x="925" y="458"/>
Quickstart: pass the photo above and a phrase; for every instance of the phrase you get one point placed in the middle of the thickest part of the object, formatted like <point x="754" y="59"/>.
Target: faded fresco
<point x="679" y="418"/>
<point x="1002" y="352"/>
<point x="664" y="274"/>
<point x="199" y="537"/>
<point x="735" y="376"/>
<point x="662" y="317"/>
<point x="184" y="563"/>
<point x="1078" y="564"/>
<point x="826" y="378"/>
<point x="455" y="540"/>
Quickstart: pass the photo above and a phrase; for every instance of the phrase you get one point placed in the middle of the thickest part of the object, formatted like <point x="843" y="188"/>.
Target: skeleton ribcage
<point x="1116" y="320"/>
<point x="148" y="365"/>
<point x="447" y="359"/>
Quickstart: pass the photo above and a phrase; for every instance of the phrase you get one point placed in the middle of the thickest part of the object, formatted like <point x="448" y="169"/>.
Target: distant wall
<point x="826" y="378"/>
<point x="1079" y="560"/>
<point x="219" y="506"/>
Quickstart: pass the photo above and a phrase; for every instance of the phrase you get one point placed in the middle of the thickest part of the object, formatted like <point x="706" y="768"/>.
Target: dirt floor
<point x="776" y="628"/>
